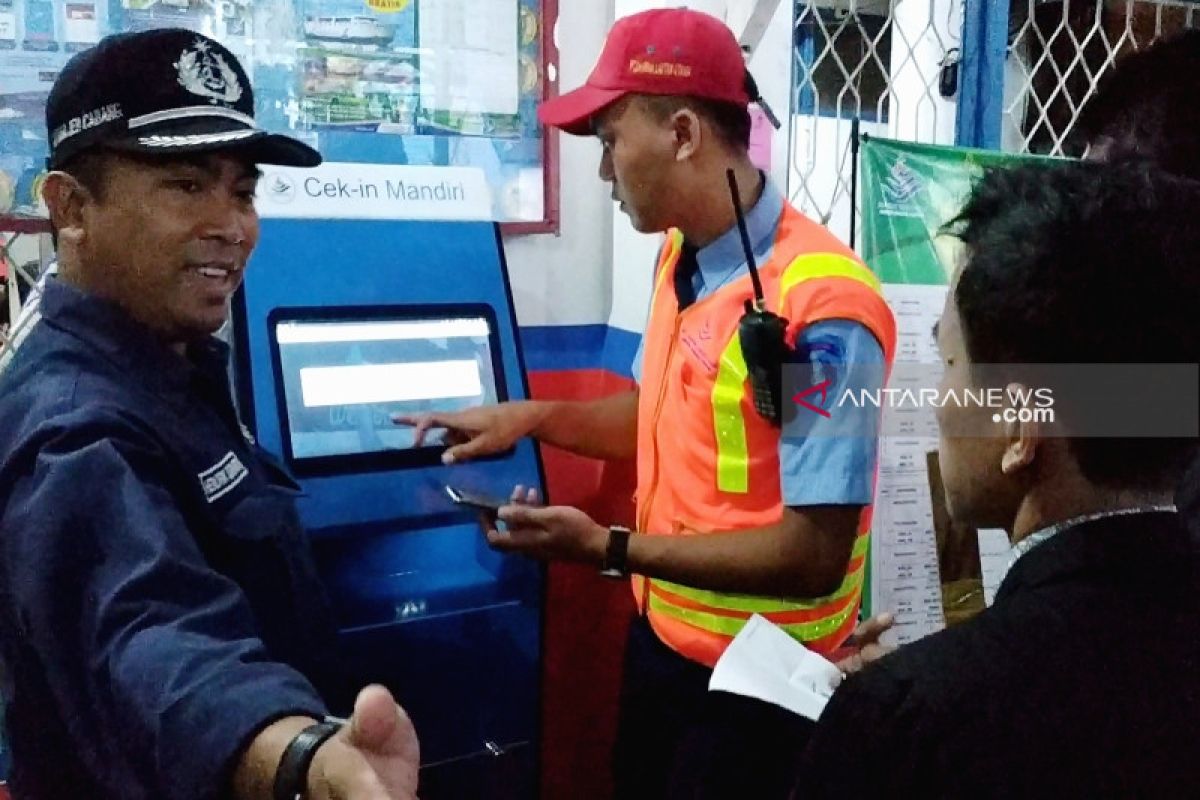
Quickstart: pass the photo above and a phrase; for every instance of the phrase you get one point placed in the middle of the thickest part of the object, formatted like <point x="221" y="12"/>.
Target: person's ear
<point x="1022" y="431"/>
<point x="685" y="125"/>
<point x="65" y="198"/>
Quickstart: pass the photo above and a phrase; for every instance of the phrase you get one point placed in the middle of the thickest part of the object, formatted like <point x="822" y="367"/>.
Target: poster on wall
<point x="925" y="568"/>
<point x="359" y="71"/>
<point x="397" y="82"/>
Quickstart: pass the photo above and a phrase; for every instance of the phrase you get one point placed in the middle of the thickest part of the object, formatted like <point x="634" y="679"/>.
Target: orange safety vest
<point x="707" y="461"/>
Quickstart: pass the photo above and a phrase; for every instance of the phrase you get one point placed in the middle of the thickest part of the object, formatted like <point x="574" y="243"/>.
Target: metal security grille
<point x="1060" y="49"/>
<point x="880" y="62"/>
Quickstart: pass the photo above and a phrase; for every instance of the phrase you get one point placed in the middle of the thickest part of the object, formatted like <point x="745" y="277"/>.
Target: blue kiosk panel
<point x="341" y="324"/>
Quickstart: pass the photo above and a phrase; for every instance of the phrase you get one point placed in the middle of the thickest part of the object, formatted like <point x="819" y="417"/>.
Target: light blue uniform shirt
<point x="832" y="460"/>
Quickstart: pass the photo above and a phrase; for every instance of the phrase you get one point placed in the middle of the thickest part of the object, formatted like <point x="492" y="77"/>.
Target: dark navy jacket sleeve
<point x="151" y="656"/>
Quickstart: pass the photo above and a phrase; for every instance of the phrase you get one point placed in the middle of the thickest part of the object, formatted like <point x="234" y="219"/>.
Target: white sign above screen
<point x="374" y="191"/>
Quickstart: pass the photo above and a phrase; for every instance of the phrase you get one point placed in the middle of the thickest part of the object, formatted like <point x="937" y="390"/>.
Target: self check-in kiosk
<point x="339" y="326"/>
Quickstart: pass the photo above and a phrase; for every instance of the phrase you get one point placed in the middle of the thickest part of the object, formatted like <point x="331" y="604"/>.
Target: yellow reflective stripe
<point x="860" y="545"/>
<point x="673" y="244"/>
<point x="757" y="604"/>
<point x="824" y="265"/>
<point x="733" y="455"/>
<point x="729" y="626"/>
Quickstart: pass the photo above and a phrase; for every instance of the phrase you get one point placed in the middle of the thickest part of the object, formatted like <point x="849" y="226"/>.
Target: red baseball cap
<point x="670" y="51"/>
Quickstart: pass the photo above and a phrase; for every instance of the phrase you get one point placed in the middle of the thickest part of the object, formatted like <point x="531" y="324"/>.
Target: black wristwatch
<point x="616" y="555"/>
<point x="291" y="776"/>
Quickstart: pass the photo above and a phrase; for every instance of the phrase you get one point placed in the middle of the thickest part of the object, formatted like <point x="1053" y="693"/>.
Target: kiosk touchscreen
<point x="346" y="373"/>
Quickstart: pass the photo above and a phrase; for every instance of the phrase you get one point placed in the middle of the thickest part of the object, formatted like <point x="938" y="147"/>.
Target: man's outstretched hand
<point x="374" y="757"/>
<point x="476" y="432"/>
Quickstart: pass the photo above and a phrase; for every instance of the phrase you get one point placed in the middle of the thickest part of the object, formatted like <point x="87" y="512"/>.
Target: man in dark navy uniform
<point x="163" y="631"/>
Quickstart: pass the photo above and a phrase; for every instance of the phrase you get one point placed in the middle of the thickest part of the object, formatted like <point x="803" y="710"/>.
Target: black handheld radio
<point x="760" y="332"/>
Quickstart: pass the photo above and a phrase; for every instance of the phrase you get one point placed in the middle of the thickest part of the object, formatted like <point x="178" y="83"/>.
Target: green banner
<point x="909" y="191"/>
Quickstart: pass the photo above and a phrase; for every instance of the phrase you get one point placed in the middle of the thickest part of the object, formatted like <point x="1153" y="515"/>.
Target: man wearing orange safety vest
<point x="734" y="517"/>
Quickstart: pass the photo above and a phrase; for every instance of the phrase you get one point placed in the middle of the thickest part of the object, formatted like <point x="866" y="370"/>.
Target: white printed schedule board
<point x="904" y="554"/>
<point x="422" y="83"/>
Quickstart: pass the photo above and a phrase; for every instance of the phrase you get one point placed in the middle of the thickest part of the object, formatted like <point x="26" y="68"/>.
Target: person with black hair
<point x="1080" y="679"/>
<point x="1147" y="108"/>
<point x="735" y="514"/>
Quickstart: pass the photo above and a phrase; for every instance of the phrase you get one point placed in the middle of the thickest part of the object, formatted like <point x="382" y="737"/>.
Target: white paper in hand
<point x="765" y="663"/>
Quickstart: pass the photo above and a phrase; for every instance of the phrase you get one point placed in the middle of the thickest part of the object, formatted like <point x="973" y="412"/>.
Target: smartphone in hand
<point x="479" y="502"/>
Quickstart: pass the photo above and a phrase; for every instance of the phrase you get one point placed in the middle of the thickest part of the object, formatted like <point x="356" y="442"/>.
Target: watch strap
<point x="291" y="776"/>
<point x="616" y="554"/>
